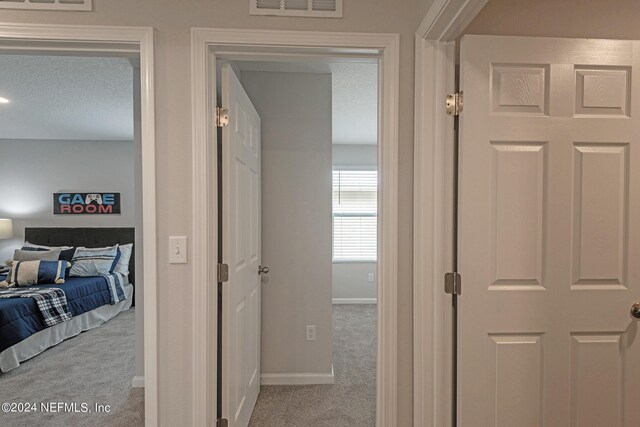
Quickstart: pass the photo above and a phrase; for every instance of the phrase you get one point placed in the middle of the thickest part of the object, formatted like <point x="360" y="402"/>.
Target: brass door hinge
<point x="454" y="103"/>
<point x="222" y="117"/>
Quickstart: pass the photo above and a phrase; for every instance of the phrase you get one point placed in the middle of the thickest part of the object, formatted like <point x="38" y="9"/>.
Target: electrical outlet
<point x="311" y="332"/>
<point x="371" y="277"/>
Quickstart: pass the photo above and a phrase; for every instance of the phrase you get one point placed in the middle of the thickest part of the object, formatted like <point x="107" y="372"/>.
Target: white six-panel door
<point x="241" y="251"/>
<point x="549" y="233"/>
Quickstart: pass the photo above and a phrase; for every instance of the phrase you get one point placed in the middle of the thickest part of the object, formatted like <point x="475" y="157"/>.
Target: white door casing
<point x="549" y="232"/>
<point x="211" y="43"/>
<point x="241" y="250"/>
<point x="121" y="41"/>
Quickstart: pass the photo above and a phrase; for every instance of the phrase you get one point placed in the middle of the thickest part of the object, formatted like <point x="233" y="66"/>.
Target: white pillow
<point x="47" y="248"/>
<point x="122" y="266"/>
<point x="89" y="262"/>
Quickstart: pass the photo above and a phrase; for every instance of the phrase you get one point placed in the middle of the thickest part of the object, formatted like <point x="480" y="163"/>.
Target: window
<point x="355" y="215"/>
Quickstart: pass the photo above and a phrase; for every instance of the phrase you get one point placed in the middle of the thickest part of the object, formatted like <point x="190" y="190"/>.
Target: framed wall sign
<point x="86" y="203"/>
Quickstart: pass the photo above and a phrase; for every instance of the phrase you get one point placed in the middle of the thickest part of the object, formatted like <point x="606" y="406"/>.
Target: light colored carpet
<point x="351" y="401"/>
<point x="96" y="366"/>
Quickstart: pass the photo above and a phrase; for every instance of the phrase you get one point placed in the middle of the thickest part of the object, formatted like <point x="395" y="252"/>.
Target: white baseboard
<point x="355" y="300"/>
<point x="297" y="379"/>
<point x="138" y="382"/>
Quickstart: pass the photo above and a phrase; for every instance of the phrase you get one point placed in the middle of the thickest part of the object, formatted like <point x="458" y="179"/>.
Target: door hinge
<point x="222" y="422"/>
<point x="222" y="117"/>
<point x="455" y="103"/>
<point x="453" y="283"/>
<point x="223" y="272"/>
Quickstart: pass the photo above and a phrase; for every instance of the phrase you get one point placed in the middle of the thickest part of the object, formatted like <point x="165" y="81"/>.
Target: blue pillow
<point x="88" y="262"/>
<point x="27" y="273"/>
<point x="115" y="261"/>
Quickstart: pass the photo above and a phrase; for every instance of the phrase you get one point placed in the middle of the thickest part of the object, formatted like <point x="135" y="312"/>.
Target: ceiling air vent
<point x="82" y="5"/>
<point x="309" y="8"/>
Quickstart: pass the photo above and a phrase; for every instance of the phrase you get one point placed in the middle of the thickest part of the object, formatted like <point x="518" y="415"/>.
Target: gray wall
<point x="172" y="22"/>
<point x="351" y="279"/>
<point x="32" y="170"/>
<point x="295" y="110"/>
<point x="354" y="156"/>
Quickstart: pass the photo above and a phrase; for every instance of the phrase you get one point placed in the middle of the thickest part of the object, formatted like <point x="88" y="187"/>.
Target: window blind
<point x="355" y="215"/>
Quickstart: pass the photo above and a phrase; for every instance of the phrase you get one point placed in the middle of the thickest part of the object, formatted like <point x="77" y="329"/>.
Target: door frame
<point x="434" y="209"/>
<point x="205" y="42"/>
<point x="104" y="40"/>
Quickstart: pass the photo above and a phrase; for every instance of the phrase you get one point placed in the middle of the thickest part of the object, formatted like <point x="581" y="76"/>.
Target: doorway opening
<point x="211" y="46"/>
<point x="311" y="298"/>
<point x="78" y="139"/>
<point x="88" y="97"/>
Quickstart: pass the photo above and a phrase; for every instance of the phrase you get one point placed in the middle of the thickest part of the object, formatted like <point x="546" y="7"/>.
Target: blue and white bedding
<point x="21" y="317"/>
<point x="52" y="302"/>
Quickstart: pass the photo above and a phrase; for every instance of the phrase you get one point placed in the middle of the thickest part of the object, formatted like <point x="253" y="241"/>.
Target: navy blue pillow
<point x="65" y="255"/>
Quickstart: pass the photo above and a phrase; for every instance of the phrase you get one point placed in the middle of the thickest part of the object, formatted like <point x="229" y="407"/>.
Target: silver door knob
<point x="635" y="310"/>
<point x="263" y="270"/>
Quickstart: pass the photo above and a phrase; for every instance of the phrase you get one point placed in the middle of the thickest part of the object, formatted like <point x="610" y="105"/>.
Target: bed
<point x="23" y="333"/>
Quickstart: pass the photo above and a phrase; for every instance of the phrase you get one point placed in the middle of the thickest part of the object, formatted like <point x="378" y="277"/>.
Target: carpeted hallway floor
<point x="96" y="366"/>
<point x="351" y="401"/>
<point x="62" y="374"/>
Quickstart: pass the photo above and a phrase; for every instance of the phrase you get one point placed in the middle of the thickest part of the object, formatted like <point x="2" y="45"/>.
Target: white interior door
<point x="549" y="233"/>
<point x="241" y="251"/>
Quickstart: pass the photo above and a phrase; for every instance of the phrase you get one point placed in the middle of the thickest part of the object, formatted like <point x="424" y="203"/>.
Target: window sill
<point x="354" y="261"/>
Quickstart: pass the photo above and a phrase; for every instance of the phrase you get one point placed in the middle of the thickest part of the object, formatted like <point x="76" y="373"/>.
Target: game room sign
<point x="86" y="203"/>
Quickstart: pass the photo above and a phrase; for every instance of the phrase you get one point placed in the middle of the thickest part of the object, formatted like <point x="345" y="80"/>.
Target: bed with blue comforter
<point x="21" y="318"/>
<point x="81" y="303"/>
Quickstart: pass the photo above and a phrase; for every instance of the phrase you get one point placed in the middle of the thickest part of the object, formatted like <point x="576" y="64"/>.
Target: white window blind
<point x="355" y="215"/>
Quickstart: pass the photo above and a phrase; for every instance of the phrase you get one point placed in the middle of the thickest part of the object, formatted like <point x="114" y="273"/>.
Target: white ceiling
<point x="355" y="95"/>
<point x="83" y="98"/>
<point x="66" y="97"/>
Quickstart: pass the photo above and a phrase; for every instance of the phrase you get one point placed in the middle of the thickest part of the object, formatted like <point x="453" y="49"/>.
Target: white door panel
<point x="549" y="233"/>
<point x="241" y="251"/>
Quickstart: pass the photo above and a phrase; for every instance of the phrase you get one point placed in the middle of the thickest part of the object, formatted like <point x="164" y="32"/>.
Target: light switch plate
<point x="178" y="250"/>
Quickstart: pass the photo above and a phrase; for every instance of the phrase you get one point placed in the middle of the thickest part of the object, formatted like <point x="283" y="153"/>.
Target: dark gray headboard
<point x="87" y="237"/>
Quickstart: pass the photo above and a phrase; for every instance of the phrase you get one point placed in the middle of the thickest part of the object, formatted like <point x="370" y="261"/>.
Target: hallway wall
<point x="295" y="114"/>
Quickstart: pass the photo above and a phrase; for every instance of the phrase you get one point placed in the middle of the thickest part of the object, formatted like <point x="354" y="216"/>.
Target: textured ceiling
<point x="66" y="97"/>
<point x="355" y="95"/>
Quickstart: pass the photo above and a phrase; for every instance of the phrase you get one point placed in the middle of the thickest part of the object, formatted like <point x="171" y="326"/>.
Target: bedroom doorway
<point x="233" y="45"/>
<point x="109" y="49"/>
<point x="311" y="199"/>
